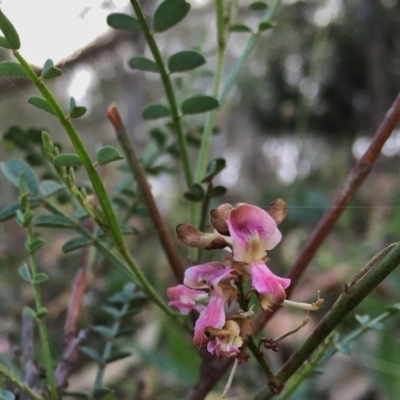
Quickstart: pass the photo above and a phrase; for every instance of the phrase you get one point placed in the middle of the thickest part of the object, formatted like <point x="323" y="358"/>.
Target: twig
<point x="356" y="177"/>
<point x="137" y="169"/>
<point x="343" y="306"/>
<point x="70" y="359"/>
<point x="31" y="371"/>
<point x="4" y="371"/>
<point x="71" y="341"/>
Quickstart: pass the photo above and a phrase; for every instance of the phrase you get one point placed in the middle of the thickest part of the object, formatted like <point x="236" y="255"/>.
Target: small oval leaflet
<point x="218" y="191"/>
<point x="9" y="32"/>
<point x="49" y="71"/>
<point x="195" y="193"/>
<point x="143" y="64"/>
<point x="258" y="6"/>
<point x="53" y="221"/>
<point x="213" y="169"/>
<point x="124" y="22"/>
<point x="155" y="111"/>
<point x="12" y="68"/>
<point x="169" y="13"/>
<point x="240" y="28"/>
<point x="264" y="26"/>
<point x="108" y="154"/>
<point x="4" y="43"/>
<point x="199" y="104"/>
<point x="49" y="187"/>
<point x="25" y="273"/>
<point x="29" y="312"/>
<point x="6" y="395"/>
<point x="41" y="104"/>
<point x="12" y="169"/>
<point x="75" y="244"/>
<point x="67" y="160"/>
<point x="185" y="61"/>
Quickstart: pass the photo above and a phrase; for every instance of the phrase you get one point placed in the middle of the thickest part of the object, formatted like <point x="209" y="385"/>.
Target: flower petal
<point x="186" y="299"/>
<point x="265" y="282"/>
<point x="206" y="275"/>
<point x="253" y="231"/>
<point x="213" y="315"/>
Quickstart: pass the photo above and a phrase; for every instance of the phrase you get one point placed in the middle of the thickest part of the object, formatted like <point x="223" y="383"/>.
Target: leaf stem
<point x="169" y="91"/>
<point x="16" y="381"/>
<point x="211" y="116"/>
<point x="44" y="336"/>
<point x="138" y="171"/>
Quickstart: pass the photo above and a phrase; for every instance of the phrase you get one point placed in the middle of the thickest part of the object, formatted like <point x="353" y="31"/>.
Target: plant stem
<point x="17" y="382"/>
<point x="94" y="177"/>
<point x="169" y="91"/>
<point x="210" y="119"/>
<point x="347" y="301"/>
<point x="306" y="369"/>
<point x="124" y="267"/>
<point x="44" y="337"/>
<point x="108" y="348"/>
<point x="138" y="172"/>
<point x="230" y="81"/>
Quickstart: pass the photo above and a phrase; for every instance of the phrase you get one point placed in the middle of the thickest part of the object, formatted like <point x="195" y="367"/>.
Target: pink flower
<point x="207" y="276"/>
<point x="213" y="315"/>
<point x="266" y="283"/>
<point x="226" y="342"/>
<point x="186" y="299"/>
<point x="253" y="231"/>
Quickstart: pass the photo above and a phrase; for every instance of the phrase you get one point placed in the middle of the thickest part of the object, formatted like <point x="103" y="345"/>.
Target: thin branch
<point x="138" y="171"/>
<point x="348" y="300"/>
<point x="210" y="374"/>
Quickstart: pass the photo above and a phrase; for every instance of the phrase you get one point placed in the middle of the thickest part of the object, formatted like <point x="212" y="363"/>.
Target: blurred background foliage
<point x="302" y="112"/>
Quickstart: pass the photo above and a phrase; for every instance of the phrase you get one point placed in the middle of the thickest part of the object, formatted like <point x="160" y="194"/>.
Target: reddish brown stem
<point x="211" y="373"/>
<point x="71" y="340"/>
<point x="137" y="169"/>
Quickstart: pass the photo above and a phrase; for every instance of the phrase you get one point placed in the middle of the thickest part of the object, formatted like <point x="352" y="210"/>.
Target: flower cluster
<point x="248" y="232"/>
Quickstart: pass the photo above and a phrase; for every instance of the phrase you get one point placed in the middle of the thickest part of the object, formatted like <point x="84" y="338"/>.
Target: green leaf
<point x="124" y="22"/>
<point x="155" y="111"/>
<point x="264" y="26"/>
<point x="12" y="170"/>
<point x="343" y="348"/>
<point x="258" y="6"/>
<point x="67" y="160"/>
<point x="42" y="312"/>
<point x="185" y="61"/>
<point x="78" y="112"/>
<point x="218" y="191"/>
<point x="118" y="355"/>
<point x="159" y="136"/>
<point x="30" y="312"/>
<point x="24" y="218"/>
<point x="81" y="213"/>
<point x="53" y="221"/>
<point x="195" y="193"/>
<point x="75" y="244"/>
<point x="49" y="71"/>
<point x="9" y="32"/>
<point x="132" y="311"/>
<point x="199" y="104"/>
<point x="240" y="28"/>
<point x="81" y="395"/>
<point x="11" y="211"/>
<point x="4" y="43"/>
<point x="169" y="13"/>
<point x="14" y="69"/>
<point x="143" y="64"/>
<point x="50" y="187"/>
<point x="125" y="332"/>
<point x="6" y="395"/>
<point x="103" y="330"/>
<point x="108" y="154"/>
<point x="40" y="277"/>
<point x="25" y="273"/>
<point x="213" y="169"/>
<point x="362" y="319"/>
<point x="101" y="392"/>
<point x="34" y="245"/>
<point x="91" y="353"/>
<point x="41" y="104"/>
<point x="113" y="311"/>
<point x="393" y="307"/>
